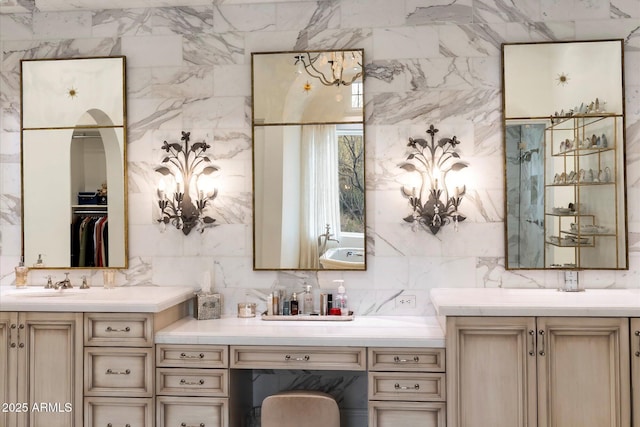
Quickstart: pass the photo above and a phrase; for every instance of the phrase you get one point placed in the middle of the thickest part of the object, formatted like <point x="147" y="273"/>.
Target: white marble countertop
<point x="366" y="331"/>
<point x="125" y="299"/>
<point x="535" y="302"/>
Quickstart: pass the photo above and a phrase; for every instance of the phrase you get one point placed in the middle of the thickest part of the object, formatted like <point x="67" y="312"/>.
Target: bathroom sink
<point x="343" y="258"/>
<point x="42" y="293"/>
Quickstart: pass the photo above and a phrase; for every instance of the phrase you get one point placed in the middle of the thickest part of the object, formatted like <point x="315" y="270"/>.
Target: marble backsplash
<point x="427" y="62"/>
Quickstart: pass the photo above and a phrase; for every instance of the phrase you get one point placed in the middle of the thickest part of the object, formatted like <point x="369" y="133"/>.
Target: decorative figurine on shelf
<point x="433" y="161"/>
<point x="101" y="194"/>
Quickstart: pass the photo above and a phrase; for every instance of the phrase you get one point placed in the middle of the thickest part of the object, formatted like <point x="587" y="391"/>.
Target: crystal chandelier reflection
<point x="333" y="68"/>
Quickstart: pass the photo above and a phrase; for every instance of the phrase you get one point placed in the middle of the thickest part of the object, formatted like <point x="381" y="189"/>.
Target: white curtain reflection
<point x="320" y="203"/>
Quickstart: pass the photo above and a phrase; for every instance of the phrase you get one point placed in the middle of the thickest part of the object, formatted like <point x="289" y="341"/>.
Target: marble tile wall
<point x="428" y="62"/>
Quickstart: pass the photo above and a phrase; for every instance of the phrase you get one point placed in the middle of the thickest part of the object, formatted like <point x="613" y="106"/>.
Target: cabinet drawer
<point x="118" y="412"/>
<point x="192" y="356"/>
<point x="413" y="386"/>
<point x="118" y="371"/>
<point x="191" y="411"/>
<point x="118" y="329"/>
<point x="407" y="359"/>
<point x="192" y="382"/>
<point x="394" y="414"/>
<point x="335" y="358"/>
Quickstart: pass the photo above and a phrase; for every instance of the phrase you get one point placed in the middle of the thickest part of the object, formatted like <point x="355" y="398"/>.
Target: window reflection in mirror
<point x="565" y="181"/>
<point x="308" y="159"/>
<point x="74" y="162"/>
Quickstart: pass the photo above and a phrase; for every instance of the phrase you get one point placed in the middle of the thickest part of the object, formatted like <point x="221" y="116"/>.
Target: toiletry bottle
<point x="21" y="274"/>
<point x="285" y="305"/>
<point x="294" y="304"/>
<point x="276" y="303"/>
<point x="270" y="305"/>
<point x="39" y="263"/>
<point x="308" y="300"/>
<point x="341" y="301"/>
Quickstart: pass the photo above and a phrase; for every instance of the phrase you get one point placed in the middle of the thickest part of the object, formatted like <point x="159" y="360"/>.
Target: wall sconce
<point x="331" y="68"/>
<point x="433" y="161"/>
<point x="188" y="171"/>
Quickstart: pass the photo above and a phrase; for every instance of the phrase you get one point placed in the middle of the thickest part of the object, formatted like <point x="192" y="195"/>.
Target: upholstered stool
<point x="300" y="408"/>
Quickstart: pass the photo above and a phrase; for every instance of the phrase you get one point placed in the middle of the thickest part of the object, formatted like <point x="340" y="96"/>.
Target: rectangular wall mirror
<point x="73" y="159"/>
<point x="308" y="160"/>
<point x="565" y="180"/>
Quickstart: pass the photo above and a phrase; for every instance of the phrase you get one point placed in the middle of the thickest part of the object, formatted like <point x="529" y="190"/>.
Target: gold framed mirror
<point x="73" y="163"/>
<point x="308" y="160"/>
<point x="564" y="145"/>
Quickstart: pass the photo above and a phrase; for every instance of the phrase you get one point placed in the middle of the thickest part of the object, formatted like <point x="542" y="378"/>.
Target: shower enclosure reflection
<point x="525" y="194"/>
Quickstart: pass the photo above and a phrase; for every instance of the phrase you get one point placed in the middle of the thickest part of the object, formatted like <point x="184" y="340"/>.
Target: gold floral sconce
<point x="188" y="184"/>
<point x="436" y="201"/>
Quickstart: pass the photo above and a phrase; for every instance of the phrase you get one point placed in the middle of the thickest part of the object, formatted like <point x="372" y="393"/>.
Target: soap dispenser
<point x="308" y="299"/>
<point x="341" y="301"/>
<point x="21" y="274"/>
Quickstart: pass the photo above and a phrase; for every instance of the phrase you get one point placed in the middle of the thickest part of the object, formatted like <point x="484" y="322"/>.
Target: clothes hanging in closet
<point x="90" y="241"/>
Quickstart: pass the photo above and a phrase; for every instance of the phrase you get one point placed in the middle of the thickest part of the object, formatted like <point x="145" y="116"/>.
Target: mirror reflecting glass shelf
<point x="308" y="160"/>
<point x="74" y="162"/>
<point x="564" y="155"/>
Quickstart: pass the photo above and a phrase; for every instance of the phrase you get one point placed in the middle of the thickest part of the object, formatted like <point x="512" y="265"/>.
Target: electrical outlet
<point x="406" y="301"/>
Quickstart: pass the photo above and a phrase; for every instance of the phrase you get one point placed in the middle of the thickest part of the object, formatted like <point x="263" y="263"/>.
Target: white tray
<point x="308" y="317"/>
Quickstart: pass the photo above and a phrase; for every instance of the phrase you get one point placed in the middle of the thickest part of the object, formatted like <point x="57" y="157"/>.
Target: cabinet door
<point x="50" y="369"/>
<point x="8" y="377"/>
<point x="491" y="372"/>
<point x="635" y="370"/>
<point x="583" y="372"/>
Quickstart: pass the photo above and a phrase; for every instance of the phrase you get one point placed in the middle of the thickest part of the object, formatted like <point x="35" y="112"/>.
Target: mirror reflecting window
<point x="74" y="162"/>
<point x="308" y="160"/>
<point x="565" y="175"/>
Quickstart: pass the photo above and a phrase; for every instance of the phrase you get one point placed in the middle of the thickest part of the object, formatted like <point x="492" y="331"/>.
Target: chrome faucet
<point x="325" y="238"/>
<point x="63" y="284"/>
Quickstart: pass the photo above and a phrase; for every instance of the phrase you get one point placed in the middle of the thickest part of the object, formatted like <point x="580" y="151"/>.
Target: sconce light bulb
<point x="338" y="97"/>
<point x="300" y="65"/>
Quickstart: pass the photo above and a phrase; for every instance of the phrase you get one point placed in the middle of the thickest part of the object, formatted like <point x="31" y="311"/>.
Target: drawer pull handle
<point x="185" y="382"/>
<point x="305" y="358"/>
<point x="542" y="351"/>
<point x="186" y="425"/>
<point x="532" y="334"/>
<point x="637" y="333"/>
<point x="397" y="359"/>
<point x="186" y="356"/>
<point x="403" y="387"/>
<point x="110" y="329"/>
<point x="126" y="425"/>
<point x="112" y="372"/>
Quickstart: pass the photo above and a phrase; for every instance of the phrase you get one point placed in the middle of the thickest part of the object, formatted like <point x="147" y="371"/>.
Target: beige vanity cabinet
<point x="538" y="372"/>
<point x="41" y="369"/>
<point x="119" y="366"/>
<point x="635" y="370"/>
<point x="406" y="387"/>
<point x="192" y="385"/>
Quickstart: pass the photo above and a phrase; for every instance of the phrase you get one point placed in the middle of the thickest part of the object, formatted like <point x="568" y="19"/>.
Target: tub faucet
<point x="325" y="238"/>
